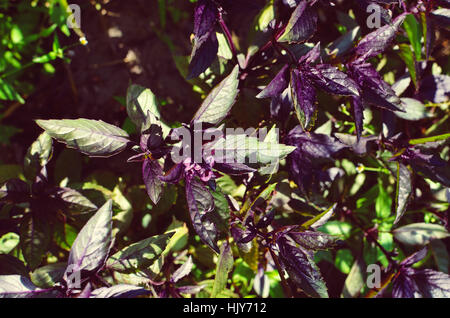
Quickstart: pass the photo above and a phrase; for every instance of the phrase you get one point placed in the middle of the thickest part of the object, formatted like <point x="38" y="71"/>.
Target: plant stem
<point x="17" y="70"/>
<point x="227" y="33"/>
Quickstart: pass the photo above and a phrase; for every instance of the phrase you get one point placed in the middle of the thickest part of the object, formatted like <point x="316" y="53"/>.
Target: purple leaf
<point x="403" y="191"/>
<point x="261" y="283"/>
<point x="374" y="89"/>
<point x="435" y="88"/>
<point x="205" y="42"/>
<point x="386" y="18"/>
<point x="247" y="236"/>
<point x="279" y="83"/>
<point x="233" y="168"/>
<point x="174" y="175"/>
<point x="137" y="158"/>
<point x="413" y="283"/>
<point x="426" y="283"/>
<point x="74" y="201"/>
<point x="266" y="220"/>
<point x="238" y="234"/>
<point x="205" y="17"/>
<point x="431" y="165"/>
<point x="151" y="171"/>
<point x="152" y="137"/>
<point x="182" y="271"/>
<point x="281" y="105"/>
<point x="302" y="24"/>
<point x="311" y="56"/>
<point x="432" y="284"/>
<point x="86" y="292"/>
<point x="16" y="286"/>
<point x="301" y="268"/>
<point x="414" y="258"/>
<point x="200" y="202"/>
<point x="119" y="291"/>
<point x="314" y="145"/>
<point x="304" y="97"/>
<point x="379" y="40"/>
<point x="313" y="150"/>
<point x="202" y="56"/>
<point x="404" y="287"/>
<point x="333" y="81"/>
<point x="91" y="247"/>
<point x="15" y="190"/>
<point x="35" y="237"/>
<point x="313" y="240"/>
<point x="190" y="289"/>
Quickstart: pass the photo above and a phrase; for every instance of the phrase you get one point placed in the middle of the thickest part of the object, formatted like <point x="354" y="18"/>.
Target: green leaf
<point x="224" y="47"/>
<point x="8" y="242"/>
<point x="241" y="147"/>
<point x="344" y="260"/>
<point x="320" y="219"/>
<point x="38" y="155"/>
<point x="218" y="103"/>
<point x="403" y="190"/>
<point x="221" y="214"/>
<point x="65" y="235"/>
<point x="35" y="237"/>
<point x="91" y="247"/>
<point x="420" y="233"/>
<point x="408" y="57"/>
<point x="429" y="139"/>
<point x="180" y="238"/>
<point x="47" y="276"/>
<point x="92" y="137"/>
<point x="140" y="101"/>
<point x="51" y="56"/>
<point x="7" y="92"/>
<point x="383" y="202"/>
<point x="264" y="195"/>
<point x="414" y="31"/>
<point x="355" y="280"/>
<point x="271" y="137"/>
<point x="122" y="218"/>
<point x="413" y="110"/>
<point x="338" y="228"/>
<point x="265" y="16"/>
<point x="139" y="255"/>
<point x="224" y="267"/>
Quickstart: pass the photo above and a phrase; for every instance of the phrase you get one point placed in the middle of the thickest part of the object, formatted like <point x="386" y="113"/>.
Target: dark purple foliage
<point x="205" y="42"/>
<point x="420" y="283"/>
<point x="313" y="151"/>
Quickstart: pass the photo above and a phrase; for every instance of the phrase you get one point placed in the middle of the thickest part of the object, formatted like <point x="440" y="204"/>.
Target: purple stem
<point x="227" y="33"/>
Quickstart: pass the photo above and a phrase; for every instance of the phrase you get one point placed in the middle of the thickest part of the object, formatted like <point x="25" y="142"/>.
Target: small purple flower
<point x="203" y="171"/>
